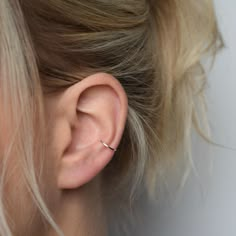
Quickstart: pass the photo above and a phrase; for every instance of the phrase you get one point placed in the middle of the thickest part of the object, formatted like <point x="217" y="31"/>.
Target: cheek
<point x="17" y="202"/>
<point x="3" y="135"/>
<point x="16" y="198"/>
<point x="22" y="214"/>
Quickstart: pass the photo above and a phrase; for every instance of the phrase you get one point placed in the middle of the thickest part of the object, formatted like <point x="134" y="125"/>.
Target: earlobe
<point x="99" y="117"/>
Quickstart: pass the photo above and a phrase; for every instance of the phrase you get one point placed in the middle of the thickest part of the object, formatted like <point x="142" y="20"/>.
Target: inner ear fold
<point x="84" y="134"/>
<point x="97" y="112"/>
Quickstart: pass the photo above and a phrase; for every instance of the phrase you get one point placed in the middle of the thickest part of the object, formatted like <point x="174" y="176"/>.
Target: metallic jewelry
<point x="106" y="145"/>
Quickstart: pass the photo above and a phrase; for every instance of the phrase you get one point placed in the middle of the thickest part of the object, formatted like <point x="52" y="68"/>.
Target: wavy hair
<point x="154" y="48"/>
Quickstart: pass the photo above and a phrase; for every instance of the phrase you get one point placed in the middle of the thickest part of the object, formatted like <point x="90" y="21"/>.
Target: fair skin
<point x="78" y="118"/>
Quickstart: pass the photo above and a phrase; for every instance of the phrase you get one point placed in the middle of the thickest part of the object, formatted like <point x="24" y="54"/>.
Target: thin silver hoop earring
<point x="106" y="145"/>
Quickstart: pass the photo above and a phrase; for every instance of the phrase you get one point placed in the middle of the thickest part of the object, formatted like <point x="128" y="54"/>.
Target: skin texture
<point x="90" y="110"/>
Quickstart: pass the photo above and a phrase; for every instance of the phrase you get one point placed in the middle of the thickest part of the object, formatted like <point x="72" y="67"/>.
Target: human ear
<point x="92" y="110"/>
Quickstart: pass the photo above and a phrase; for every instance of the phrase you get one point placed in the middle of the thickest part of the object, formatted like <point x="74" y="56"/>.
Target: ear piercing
<point x="106" y="145"/>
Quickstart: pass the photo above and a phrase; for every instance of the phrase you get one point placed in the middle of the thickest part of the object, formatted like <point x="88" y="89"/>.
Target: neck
<point x="81" y="212"/>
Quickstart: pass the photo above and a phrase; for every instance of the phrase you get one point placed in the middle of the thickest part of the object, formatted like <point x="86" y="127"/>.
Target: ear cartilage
<point x="106" y="145"/>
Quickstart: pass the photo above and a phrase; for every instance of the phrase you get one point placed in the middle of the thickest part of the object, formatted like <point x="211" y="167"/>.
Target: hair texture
<point x="153" y="47"/>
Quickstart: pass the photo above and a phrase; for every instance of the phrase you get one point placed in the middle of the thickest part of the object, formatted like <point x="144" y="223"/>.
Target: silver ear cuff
<point x="106" y="145"/>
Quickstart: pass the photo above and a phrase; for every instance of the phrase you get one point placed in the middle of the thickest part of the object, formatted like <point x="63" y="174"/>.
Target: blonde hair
<point x="154" y="48"/>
